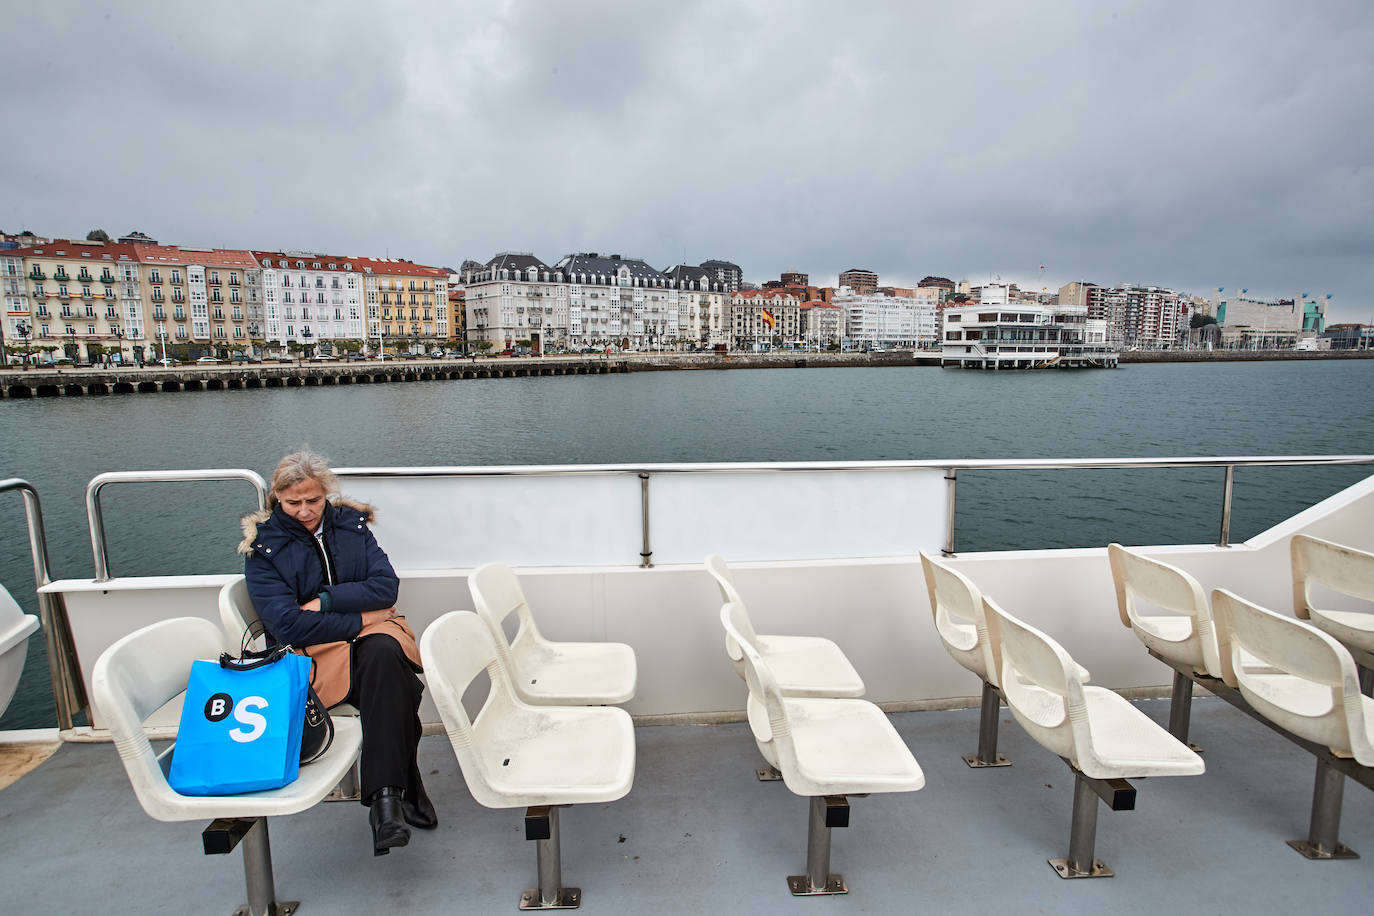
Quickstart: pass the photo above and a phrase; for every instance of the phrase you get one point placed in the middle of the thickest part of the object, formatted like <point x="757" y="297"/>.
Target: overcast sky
<point x="1190" y="144"/>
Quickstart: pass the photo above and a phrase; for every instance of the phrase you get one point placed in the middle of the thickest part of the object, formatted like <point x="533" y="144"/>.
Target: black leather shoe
<point x="418" y="809"/>
<point x="385" y="817"/>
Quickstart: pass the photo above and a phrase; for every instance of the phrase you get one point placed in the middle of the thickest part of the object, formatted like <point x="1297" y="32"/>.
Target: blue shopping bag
<point x="241" y="724"/>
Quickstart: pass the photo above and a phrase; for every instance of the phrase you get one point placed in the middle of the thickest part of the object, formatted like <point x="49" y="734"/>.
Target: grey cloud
<point x="1187" y="144"/>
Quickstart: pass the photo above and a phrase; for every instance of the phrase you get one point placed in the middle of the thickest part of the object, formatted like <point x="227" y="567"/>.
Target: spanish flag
<point x="769" y="320"/>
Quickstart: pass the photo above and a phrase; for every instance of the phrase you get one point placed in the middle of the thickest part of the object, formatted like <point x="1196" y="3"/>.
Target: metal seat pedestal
<point x="987" y="755"/>
<point x="541" y="825"/>
<point x="827" y="811"/>
<point x="1322" y="841"/>
<point x="1080" y="862"/>
<point x="222" y="836"/>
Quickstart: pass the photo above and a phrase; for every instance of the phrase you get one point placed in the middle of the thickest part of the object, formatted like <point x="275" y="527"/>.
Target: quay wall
<point x="73" y="382"/>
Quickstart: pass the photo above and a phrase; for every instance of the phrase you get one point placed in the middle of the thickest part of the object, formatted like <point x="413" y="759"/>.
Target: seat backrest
<point x="715" y="565"/>
<point x="138" y="675"/>
<point x="236" y="614"/>
<point x="955" y="599"/>
<point x="1140" y="578"/>
<point x="455" y="650"/>
<point x="1334" y="566"/>
<point x="1321" y="701"/>
<point x="1041" y="684"/>
<point x="767" y="714"/>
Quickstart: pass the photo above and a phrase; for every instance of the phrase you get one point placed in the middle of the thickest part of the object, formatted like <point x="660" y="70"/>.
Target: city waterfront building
<point x="514" y="297"/>
<point x="875" y="321"/>
<point x="194" y="300"/>
<point x="617" y="301"/>
<point x="64" y="298"/>
<point x="1265" y="324"/>
<point x="999" y="334"/>
<point x="795" y="278"/>
<point x="726" y="273"/>
<point x="862" y="282"/>
<point x="763" y="319"/>
<point x="822" y="323"/>
<point x="311" y="302"/>
<point x="702" y="306"/>
<point x="940" y="283"/>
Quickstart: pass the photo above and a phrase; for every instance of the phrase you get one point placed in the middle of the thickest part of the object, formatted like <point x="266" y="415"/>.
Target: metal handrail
<point x="68" y="694"/>
<point x="951" y="469"/>
<point x="96" y="519"/>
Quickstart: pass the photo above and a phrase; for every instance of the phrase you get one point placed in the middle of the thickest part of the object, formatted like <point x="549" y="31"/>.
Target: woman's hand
<point x="372" y="617"/>
<point x="312" y="605"/>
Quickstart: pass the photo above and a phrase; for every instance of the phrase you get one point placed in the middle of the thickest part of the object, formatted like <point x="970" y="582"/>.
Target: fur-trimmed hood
<point x="252" y="520"/>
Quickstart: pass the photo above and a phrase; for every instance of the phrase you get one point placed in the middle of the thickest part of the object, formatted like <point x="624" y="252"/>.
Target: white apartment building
<point x="887" y="321"/>
<point x="1024" y="335"/>
<point x="822" y="323"/>
<point x="761" y="319"/>
<point x="620" y="301"/>
<point x="309" y="298"/>
<point x="703" y="306"/>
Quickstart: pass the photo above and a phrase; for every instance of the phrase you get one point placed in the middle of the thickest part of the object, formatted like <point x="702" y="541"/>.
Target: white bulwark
<point x="1022" y="335"/>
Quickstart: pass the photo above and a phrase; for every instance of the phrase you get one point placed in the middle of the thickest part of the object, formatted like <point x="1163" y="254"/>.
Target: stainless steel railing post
<point x="67" y="690"/>
<point x="646" y="552"/>
<point x="952" y="476"/>
<point x="1225" y="540"/>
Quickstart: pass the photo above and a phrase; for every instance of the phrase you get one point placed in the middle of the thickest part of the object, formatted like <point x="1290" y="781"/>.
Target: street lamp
<point x="415" y="333"/>
<point x="305" y="332"/>
<point x="71" y="344"/>
<point x="119" y="343"/>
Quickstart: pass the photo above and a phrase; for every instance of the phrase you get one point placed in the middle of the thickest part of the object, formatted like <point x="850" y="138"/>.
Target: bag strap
<point x="253" y="658"/>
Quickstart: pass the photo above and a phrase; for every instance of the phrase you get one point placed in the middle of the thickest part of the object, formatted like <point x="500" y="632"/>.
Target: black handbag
<point x="317" y="732"/>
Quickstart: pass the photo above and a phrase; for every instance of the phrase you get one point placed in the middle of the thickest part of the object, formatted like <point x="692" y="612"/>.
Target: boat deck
<point x="699" y="833"/>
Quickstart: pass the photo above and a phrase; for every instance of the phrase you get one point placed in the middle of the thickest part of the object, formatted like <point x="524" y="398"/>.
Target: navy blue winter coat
<point x="283" y="571"/>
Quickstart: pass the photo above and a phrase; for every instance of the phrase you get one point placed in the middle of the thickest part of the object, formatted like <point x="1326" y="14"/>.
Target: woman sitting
<point x="320" y="584"/>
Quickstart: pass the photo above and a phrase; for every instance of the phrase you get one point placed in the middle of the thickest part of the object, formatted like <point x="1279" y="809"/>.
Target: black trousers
<point x="387" y="694"/>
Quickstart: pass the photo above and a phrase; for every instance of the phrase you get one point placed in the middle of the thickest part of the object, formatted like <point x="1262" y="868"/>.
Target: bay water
<point x="1149" y="410"/>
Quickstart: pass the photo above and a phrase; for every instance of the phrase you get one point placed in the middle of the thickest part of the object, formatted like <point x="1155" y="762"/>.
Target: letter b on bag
<point x="244" y="715"/>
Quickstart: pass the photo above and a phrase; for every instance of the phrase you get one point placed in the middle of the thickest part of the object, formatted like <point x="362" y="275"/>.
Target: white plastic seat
<point x="144" y="671"/>
<point x="1341" y="569"/>
<point x="1099" y="733"/>
<point x="543" y="672"/>
<point x="514" y="754"/>
<point x="803" y="666"/>
<point x="824" y="747"/>
<point x="15" y="629"/>
<point x="1296" y="676"/>
<point x="1185" y="634"/>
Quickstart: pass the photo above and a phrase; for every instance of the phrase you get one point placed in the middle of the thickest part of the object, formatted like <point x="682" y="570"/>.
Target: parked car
<point x="507" y="352"/>
<point x="283" y="359"/>
<point x="165" y="361"/>
<point x="355" y="356"/>
<point x="207" y="359"/>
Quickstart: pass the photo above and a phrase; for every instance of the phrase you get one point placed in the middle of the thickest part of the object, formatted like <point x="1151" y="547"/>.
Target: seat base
<point x="1312" y="850"/>
<point x="976" y="762"/>
<point x="1064" y="870"/>
<point x="280" y="908"/>
<point x="567" y="898"/>
<point x="800" y="886"/>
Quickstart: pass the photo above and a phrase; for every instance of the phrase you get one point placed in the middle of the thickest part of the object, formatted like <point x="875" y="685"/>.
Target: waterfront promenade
<point x="69" y="381"/>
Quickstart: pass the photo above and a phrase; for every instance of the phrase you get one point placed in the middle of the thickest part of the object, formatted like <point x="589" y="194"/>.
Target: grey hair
<point x="300" y="466"/>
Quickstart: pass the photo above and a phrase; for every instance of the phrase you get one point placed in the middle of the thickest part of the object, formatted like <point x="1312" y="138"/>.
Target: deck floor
<point x="699" y="833"/>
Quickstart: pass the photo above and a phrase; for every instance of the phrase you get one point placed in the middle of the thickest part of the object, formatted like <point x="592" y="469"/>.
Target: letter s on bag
<point x="257" y="722"/>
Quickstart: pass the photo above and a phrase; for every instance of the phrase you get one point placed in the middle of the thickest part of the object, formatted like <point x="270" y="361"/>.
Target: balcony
<point x="107" y="278"/>
<point x="213" y="281"/>
<point x="61" y="276"/>
<point x="84" y="277"/>
<point x="37" y="274"/>
<point x="43" y="312"/>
